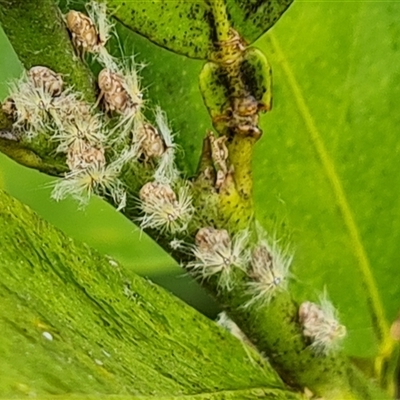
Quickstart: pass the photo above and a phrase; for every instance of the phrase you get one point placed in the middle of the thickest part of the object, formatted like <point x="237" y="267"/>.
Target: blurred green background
<point x="342" y="60"/>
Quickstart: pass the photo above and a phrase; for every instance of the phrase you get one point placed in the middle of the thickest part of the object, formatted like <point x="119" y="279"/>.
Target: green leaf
<point x="253" y="18"/>
<point x="329" y="156"/>
<point x="187" y="27"/>
<point x="250" y="394"/>
<point x="73" y="321"/>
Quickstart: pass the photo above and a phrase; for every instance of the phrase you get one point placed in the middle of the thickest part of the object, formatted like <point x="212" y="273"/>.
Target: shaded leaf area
<point x="186" y="27"/>
<point x="348" y="79"/>
<point x="73" y="321"/>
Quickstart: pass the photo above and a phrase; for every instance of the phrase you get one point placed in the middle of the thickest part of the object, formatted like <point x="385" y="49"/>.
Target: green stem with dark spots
<point x="221" y="22"/>
<point x="275" y="330"/>
<point x="39" y="37"/>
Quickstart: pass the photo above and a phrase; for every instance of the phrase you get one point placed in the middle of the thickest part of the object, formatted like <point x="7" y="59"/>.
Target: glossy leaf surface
<point x="186" y="27"/>
<point x="76" y="322"/>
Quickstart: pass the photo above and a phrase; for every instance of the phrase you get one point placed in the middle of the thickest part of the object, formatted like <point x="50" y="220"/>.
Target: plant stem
<point x="221" y="22"/>
<point x="275" y="331"/>
<point x="39" y="37"/>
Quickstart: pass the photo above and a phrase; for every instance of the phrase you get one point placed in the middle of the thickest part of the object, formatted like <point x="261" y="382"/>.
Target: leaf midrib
<point x="375" y="304"/>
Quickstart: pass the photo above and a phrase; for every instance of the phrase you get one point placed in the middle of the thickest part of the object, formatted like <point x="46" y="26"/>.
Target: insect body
<point x="114" y="90"/>
<point x="163" y="209"/>
<point x="82" y="155"/>
<point x="151" y="143"/>
<point x="83" y="31"/>
<point x="269" y="271"/>
<point x="321" y="326"/>
<point x="218" y="254"/>
<point x="43" y="77"/>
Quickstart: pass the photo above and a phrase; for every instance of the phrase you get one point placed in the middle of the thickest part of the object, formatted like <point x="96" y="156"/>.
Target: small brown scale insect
<point x="263" y="269"/>
<point x="320" y="327"/>
<point x="43" y="77"/>
<point x="82" y="155"/>
<point x="241" y="115"/>
<point x="116" y="97"/>
<point x="245" y="116"/>
<point x="209" y="240"/>
<point x="151" y="143"/>
<point x="312" y="319"/>
<point x="261" y="260"/>
<point x="217" y="245"/>
<point x="163" y="197"/>
<point x="75" y="110"/>
<point x="245" y="106"/>
<point x="219" y="155"/>
<point x="83" y="31"/>
<point x="40" y="77"/>
<point x="219" y="152"/>
<point x="157" y="192"/>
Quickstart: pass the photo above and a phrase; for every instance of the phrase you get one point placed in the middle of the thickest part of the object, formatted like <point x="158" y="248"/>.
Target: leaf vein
<point x="374" y="301"/>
